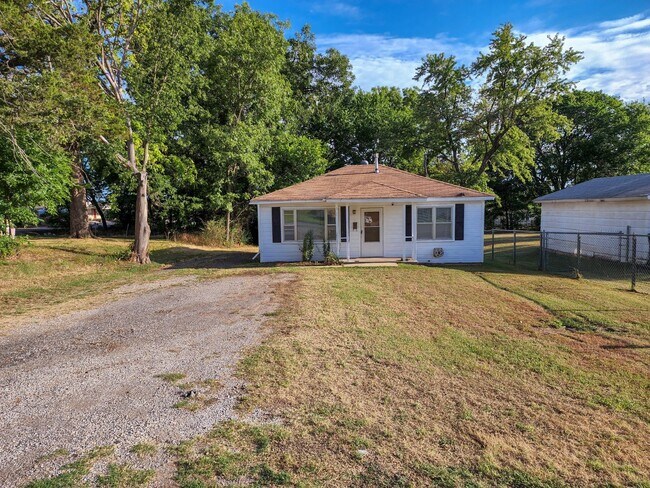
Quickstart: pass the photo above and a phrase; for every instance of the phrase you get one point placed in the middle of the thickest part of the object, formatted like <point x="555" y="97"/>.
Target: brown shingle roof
<point x="360" y="182"/>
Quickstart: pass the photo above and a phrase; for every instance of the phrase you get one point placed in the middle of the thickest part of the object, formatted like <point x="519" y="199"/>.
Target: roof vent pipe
<point x="376" y="162"/>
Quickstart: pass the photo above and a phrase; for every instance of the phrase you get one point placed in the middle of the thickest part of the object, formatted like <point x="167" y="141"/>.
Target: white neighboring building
<point x="619" y="204"/>
<point x="368" y="211"/>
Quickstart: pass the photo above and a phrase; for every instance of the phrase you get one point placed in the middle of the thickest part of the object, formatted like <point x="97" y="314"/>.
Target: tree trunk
<point x="78" y="213"/>
<point x="228" y="227"/>
<point x="140" y="253"/>
<point x="100" y="211"/>
<point x="90" y="191"/>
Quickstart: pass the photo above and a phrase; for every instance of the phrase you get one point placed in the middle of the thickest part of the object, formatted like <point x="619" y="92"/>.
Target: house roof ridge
<point x="436" y="180"/>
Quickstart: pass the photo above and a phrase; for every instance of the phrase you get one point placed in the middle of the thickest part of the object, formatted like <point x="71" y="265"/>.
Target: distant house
<point x="616" y="204"/>
<point x="374" y="211"/>
<point x="91" y="211"/>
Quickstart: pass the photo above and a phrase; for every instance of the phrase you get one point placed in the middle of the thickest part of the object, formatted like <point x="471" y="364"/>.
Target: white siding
<point x="469" y="250"/>
<point x="607" y="216"/>
<point x="597" y="216"/>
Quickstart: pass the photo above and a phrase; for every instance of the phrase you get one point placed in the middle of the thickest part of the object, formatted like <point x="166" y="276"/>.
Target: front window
<point x="331" y="224"/>
<point x="310" y="220"/>
<point x="297" y="222"/>
<point x="289" y="225"/>
<point x="434" y="223"/>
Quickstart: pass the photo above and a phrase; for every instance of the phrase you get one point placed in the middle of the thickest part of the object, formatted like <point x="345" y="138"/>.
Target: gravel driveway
<point x="90" y="378"/>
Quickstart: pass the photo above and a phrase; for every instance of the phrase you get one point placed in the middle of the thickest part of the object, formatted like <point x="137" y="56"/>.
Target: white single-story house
<point x="373" y="211"/>
<point x="615" y="205"/>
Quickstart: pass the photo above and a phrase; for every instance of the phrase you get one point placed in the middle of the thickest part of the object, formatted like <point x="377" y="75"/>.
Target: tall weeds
<point x="214" y="234"/>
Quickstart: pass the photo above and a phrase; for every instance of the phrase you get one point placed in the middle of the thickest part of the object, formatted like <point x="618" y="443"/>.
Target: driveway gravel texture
<point x="91" y="378"/>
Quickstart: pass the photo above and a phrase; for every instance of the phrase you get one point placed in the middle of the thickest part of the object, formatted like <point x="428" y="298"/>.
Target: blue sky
<point x="386" y="39"/>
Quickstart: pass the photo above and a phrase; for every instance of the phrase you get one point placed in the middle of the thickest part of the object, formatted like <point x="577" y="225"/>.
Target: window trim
<point x="295" y="222"/>
<point x="433" y="223"/>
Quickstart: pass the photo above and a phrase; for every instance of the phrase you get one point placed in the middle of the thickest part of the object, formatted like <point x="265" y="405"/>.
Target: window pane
<point x="311" y="220"/>
<point x="371" y="234"/>
<point x="443" y="214"/>
<point x="288" y="217"/>
<point x="331" y="216"/>
<point x="443" y="231"/>
<point x="331" y="232"/>
<point x="371" y="219"/>
<point x="289" y="234"/>
<point x="424" y="215"/>
<point x="425" y="231"/>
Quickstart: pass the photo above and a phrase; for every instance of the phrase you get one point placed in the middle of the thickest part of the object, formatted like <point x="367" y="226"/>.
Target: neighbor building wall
<point x="600" y="216"/>
<point x="468" y="250"/>
<point x="608" y="216"/>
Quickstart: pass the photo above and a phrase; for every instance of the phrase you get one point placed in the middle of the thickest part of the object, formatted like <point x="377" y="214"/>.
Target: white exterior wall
<point x="607" y="216"/>
<point x="469" y="250"/>
<point x="596" y="216"/>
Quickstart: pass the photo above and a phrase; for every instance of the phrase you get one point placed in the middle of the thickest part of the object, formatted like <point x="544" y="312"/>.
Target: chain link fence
<point x="614" y="257"/>
<point x="622" y="259"/>
<point x="515" y="247"/>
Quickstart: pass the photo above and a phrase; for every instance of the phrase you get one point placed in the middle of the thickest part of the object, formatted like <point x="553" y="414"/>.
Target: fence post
<point x="620" y="246"/>
<point x="514" y="246"/>
<point x="578" y="251"/>
<point x="633" y="262"/>
<point x="541" y="251"/>
<point x="627" y="244"/>
<point x="546" y="251"/>
<point x="493" y="244"/>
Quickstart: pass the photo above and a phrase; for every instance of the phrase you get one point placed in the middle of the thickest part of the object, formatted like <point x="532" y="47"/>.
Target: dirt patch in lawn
<point x="149" y="369"/>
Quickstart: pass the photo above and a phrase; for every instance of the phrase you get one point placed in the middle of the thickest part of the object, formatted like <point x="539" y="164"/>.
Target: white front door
<point x="371" y="233"/>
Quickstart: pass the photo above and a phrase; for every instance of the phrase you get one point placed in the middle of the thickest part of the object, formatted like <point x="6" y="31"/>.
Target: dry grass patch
<point x="52" y="273"/>
<point x="418" y="376"/>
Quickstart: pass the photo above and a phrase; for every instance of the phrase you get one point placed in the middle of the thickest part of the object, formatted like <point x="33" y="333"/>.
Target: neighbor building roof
<point x="360" y="182"/>
<point x="628" y="186"/>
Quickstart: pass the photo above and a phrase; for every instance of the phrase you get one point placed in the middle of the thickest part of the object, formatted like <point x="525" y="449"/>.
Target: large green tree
<point x="604" y="137"/>
<point x="322" y="96"/>
<point x="32" y="174"/>
<point x="148" y="56"/>
<point x="242" y="106"/>
<point x="383" y="122"/>
<point x="50" y="87"/>
<point x="488" y="116"/>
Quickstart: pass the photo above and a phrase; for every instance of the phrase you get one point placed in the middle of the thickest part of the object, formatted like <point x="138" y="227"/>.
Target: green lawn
<point x="418" y="376"/>
<point x="468" y="376"/>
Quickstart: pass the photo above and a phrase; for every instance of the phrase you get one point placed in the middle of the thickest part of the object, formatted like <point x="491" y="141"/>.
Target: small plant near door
<point x="329" y="256"/>
<point x="307" y="248"/>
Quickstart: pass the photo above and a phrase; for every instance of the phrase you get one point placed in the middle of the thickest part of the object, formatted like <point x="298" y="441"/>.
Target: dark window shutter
<point x="408" y="231"/>
<point x="344" y="225"/>
<point x="276" y="223"/>
<point x="460" y="222"/>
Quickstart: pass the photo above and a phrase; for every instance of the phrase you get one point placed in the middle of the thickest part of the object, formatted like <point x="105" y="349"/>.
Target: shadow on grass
<point x="182" y="257"/>
<point x="624" y="346"/>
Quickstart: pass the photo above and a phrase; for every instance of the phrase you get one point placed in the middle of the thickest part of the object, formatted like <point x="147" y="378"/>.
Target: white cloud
<point x="616" y="55"/>
<point x="620" y="22"/>
<point x="338" y="9"/>
<point x="383" y="60"/>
